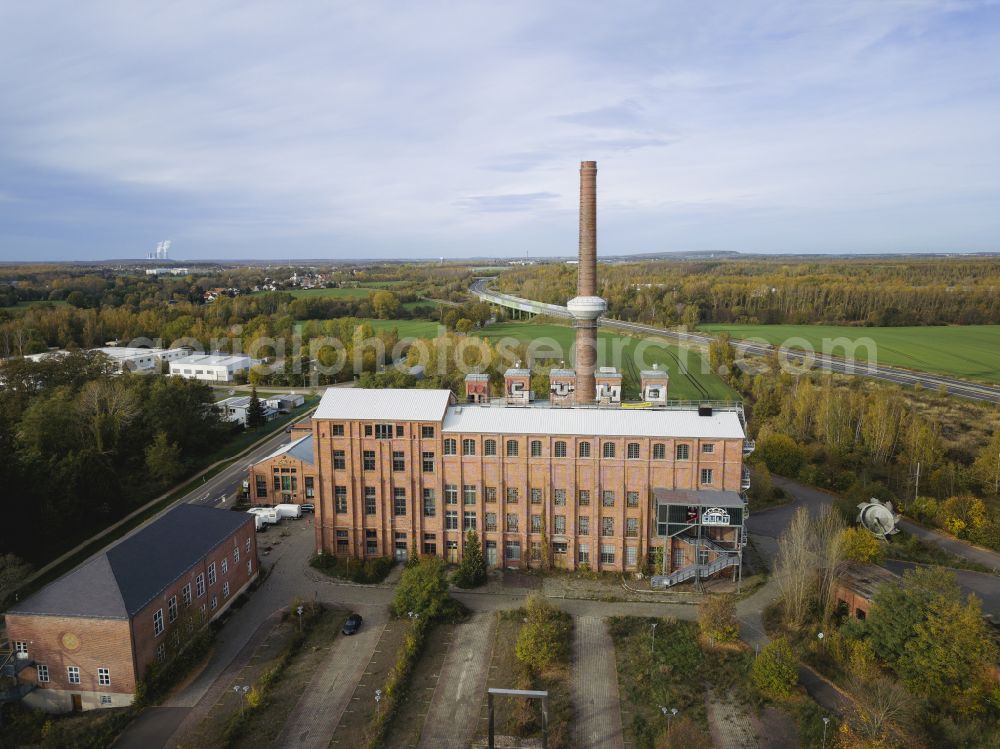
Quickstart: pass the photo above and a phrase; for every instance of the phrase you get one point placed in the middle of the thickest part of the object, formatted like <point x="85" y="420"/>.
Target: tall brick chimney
<point x="586" y="306"/>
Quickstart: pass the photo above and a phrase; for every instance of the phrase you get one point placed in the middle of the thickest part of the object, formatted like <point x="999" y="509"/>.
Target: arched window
<point x="560" y="449"/>
<point x="511" y="448"/>
<point x="536" y="448"/>
<point x="584" y="449"/>
<point x="490" y="447"/>
<point x="609" y="449"/>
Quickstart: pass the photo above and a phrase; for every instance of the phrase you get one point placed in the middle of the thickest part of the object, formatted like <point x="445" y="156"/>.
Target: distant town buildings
<point x="137" y="360"/>
<point x="167" y="271"/>
<point x="86" y="640"/>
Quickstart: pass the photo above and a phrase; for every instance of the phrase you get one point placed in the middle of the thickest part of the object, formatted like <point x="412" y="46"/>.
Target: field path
<point x="595" y="686"/>
<point x="454" y="709"/>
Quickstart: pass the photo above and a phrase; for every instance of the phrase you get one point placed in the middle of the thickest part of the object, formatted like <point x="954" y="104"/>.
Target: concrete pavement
<point x="595" y="686"/>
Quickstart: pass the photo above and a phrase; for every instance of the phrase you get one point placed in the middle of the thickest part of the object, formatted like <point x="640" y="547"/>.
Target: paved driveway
<point x="595" y="686"/>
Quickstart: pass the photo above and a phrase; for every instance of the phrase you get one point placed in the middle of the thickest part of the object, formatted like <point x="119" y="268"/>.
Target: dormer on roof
<point x="653" y="385"/>
<point x="608" y="381"/>
<point x="517" y="386"/>
<point x="562" y="387"/>
<point x="477" y="387"/>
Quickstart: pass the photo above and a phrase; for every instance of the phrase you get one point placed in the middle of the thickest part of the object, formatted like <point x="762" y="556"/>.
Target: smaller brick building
<point x="857" y="586"/>
<point x="286" y="476"/>
<point x="85" y="640"/>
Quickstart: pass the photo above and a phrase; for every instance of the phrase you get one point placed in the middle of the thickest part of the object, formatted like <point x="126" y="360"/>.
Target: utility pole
<point x="916" y="488"/>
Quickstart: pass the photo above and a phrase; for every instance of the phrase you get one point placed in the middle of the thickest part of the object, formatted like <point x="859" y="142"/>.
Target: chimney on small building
<point x="562" y="387"/>
<point x="653" y="384"/>
<point x="477" y="388"/>
<point x="608" y="383"/>
<point x="517" y="386"/>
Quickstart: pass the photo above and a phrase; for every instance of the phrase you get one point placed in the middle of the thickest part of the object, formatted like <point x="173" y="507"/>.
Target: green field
<point x="689" y="376"/>
<point x="408" y="328"/>
<point x="971" y="351"/>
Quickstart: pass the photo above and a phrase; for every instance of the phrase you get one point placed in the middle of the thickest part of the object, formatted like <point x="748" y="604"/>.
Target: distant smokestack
<point x="586" y="306"/>
<point x="586" y="282"/>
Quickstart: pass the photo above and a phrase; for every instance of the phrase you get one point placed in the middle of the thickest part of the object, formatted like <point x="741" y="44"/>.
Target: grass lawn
<point x="971" y="351"/>
<point x="408" y="328"/>
<point x="689" y="375"/>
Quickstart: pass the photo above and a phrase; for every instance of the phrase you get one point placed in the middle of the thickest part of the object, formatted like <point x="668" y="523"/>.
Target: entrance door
<point x="453" y="552"/>
<point x="401" y="551"/>
<point x="77" y="703"/>
<point x="491" y="553"/>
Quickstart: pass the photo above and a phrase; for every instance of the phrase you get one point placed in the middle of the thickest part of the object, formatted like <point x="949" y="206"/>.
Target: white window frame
<point x="225" y="565"/>
<point x="73" y="674"/>
<point x="212" y="577"/>
<point x="42" y="672"/>
<point x="225" y="589"/>
<point x="200" y="584"/>
<point x="158" y="622"/>
<point x="172" y="609"/>
<point x="104" y="677"/>
<point x="186" y="594"/>
<point x="236" y="555"/>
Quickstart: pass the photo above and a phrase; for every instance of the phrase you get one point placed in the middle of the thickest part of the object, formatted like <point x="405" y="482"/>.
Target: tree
<point x="962" y="515"/>
<point x="544" y="639"/>
<point x="163" y="459"/>
<point x="986" y="467"/>
<point x="255" y="411"/>
<point x="422" y="589"/>
<point x="385" y="304"/>
<point x="793" y="569"/>
<point x="717" y="618"/>
<point x="881" y="706"/>
<point x="13" y="571"/>
<point x="471" y="572"/>
<point x="463" y="325"/>
<point x="775" y="671"/>
<point x="862" y="546"/>
<point x="781" y="454"/>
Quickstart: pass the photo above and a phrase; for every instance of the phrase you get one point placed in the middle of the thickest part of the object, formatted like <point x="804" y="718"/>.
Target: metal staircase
<point x="10" y="666"/>
<point x="702" y="570"/>
<point x="706" y="542"/>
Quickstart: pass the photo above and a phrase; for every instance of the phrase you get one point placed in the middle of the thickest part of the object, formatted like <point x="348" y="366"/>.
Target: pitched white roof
<point x="389" y="404"/>
<point x="212" y="360"/>
<point x="301" y="448"/>
<point x="592" y="422"/>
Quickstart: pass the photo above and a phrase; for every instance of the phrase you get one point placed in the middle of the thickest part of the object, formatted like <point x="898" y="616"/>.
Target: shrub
<point x="471" y="572"/>
<point x="366" y="572"/>
<point x="781" y="454"/>
<point x="717" y="619"/>
<point x="862" y="546"/>
<point x="775" y="672"/>
<point x="544" y="640"/>
<point x="423" y="590"/>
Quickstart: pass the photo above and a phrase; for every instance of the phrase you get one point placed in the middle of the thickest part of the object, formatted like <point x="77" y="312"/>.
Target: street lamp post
<point x="299" y="611"/>
<point x="826" y="722"/>
<point x="378" y="700"/>
<point x="652" y="648"/>
<point x="242" y="692"/>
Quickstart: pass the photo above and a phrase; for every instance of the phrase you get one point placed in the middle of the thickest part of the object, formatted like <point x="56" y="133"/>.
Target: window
<point x="261" y="486"/>
<point x="490" y="447"/>
<point x="236" y="555"/>
<point x="215" y="602"/>
<point x="400" y="432"/>
<point x="161" y="652"/>
<point x="427" y="462"/>
<point x="511" y="448"/>
<point x="199" y="584"/>
<point x="632" y="527"/>
<point x="43" y="673"/>
<point x="340" y="498"/>
<point x="430" y="503"/>
<point x="368" y="430"/>
<point x="384" y="431"/>
<point x="536" y="496"/>
<point x="451" y="494"/>
<point x="559" y="497"/>
<point x="225" y="565"/>
<point x="584" y="450"/>
<point x="249" y="566"/>
<point x="450" y="447"/>
<point x="708" y="449"/>
<point x="225" y="589"/>
<point x="469" y="494"/>
<point x="73" y="673"/>
<point x="370" y="501"/>
<point x="536" y="551"/>
<point x="633" y="450"/>
<point x="583" y="553"/>
<point x="430" y="544"/>
<point x="560" y="449"/>
<point x="607" y="554"/>
<point x="427" y="432"/>
<point x="511" y="522"/>
<point x="536" y="523"/>
<point x="211" y="574"/>
<point x="339" y="460"/>
<point x="659" y="451"/>
<point x="559" y="524"/>
<point x="248" y="545"/>
<point x="468" y="447"/>
<point x="172" y="609"/>
<point x="607" y="526"/>
<point x="451" y="520"/>
<point x="310" y="490"/>
<point x="20" y="646"/>
<point x="559" y="548"/>
<point x="512" y="551"/>
<point x="338" y="430"/>
<point x="157" y="622"/>
<point x="491" y="521"/>
<point x="371" y="548"/>
<point x="706" y="475"/>
<point x="536" y="448"/>
<point x="682" y="452"/>
<point x="512" y="495"/>
<point x="583" y="525"/>
<point x="609" y="449"/>
<point x="632" y="499"/>
<point x="368" y="460"/>
<point x="105" y="699"/>
<point x="608" y="498"/>
<point x="468" y="521"/>
<point x="583" y="497"/>
<point x="104" y="677"/>
<point x="631" y="555"/>
<point x="398" y="460"/>
<point x="399" y="501"/>
<point x="491" y="494"/>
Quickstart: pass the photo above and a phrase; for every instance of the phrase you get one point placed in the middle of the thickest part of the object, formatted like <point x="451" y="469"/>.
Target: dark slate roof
<point x="699" y="497"/>
<point x="121" y="581"/>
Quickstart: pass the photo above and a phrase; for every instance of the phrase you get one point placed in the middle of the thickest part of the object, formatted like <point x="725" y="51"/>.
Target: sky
<point x="340" y="130"/>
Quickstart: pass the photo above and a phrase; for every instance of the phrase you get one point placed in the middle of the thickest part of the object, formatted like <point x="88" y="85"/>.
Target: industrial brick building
<point x="577" y="479"/>
<point x="286" y="476"/>
<point x="85" y="640"/>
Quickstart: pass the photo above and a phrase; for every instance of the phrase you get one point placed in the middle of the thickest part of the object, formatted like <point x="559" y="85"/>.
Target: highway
<point x="953" y="386"/>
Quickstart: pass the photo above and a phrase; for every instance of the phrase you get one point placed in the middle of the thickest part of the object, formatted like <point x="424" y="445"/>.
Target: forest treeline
<point x="883" y="292"/>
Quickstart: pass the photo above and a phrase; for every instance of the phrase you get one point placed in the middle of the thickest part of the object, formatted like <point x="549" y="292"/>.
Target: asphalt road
<point x="952" y="385"/>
